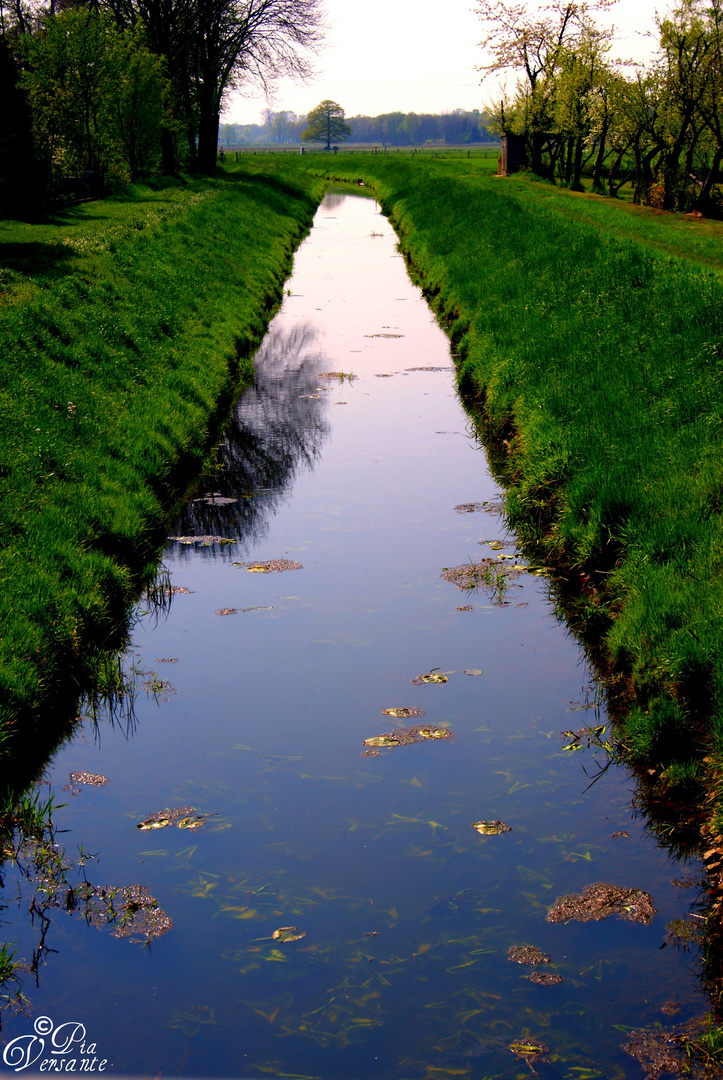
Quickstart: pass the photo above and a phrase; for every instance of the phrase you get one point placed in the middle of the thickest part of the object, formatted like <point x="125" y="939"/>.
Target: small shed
<point x="512" y="154"/>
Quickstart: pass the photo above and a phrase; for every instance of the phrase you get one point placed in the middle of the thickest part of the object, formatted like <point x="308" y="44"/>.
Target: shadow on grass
<point x="36" y="259"/>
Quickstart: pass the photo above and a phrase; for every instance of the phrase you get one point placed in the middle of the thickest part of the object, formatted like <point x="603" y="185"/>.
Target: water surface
<point x="260" y="720"/>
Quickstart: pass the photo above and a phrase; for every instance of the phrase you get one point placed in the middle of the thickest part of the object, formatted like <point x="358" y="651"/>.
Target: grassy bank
<point x="124" y="327"/>
<point x="591" y="335"/>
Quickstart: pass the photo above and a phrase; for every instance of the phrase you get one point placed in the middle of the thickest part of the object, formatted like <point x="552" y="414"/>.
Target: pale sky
<point x="413" y="56"/>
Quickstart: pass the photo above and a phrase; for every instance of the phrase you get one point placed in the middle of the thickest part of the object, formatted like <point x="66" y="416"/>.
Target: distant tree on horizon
<point x="326" y="124"/>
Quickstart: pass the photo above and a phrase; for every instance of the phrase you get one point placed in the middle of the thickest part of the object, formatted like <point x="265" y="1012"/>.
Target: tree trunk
<point x="568" y="159"/>
<point x="208" y="124"/>
<point x="600" y="159"/>
<point x="577" y="166"/>
<point x="169" y="165"/>
<point x="703" y="200"/>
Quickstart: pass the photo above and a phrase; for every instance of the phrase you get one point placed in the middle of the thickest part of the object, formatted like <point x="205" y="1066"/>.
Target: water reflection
<point x="276" y="430"/>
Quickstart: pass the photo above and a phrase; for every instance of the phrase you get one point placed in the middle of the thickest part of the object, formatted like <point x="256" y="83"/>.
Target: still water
<point x="257" y="718"/>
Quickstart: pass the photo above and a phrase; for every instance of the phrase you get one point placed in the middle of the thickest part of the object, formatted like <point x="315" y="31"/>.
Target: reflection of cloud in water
<point x="274" y="430"/>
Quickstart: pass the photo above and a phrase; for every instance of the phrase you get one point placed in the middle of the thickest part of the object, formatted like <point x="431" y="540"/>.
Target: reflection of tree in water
<point x="334" y="199"/>
<point x="276" y="428"/>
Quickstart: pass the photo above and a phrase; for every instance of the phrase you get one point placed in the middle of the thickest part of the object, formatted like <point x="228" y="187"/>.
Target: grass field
<point x="124" y="326"/>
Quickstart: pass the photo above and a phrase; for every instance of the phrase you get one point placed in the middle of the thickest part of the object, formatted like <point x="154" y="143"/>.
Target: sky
<point x="413" y="56"/>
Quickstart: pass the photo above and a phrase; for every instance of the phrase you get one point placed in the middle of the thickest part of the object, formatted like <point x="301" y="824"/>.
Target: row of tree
<point x="659" y="127"/>
<point x="117" y="88"/>
<point x="456" y="128"/>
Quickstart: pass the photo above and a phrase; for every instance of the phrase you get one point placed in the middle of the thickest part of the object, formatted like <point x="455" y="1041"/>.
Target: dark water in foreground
<point x="407" y="912"/>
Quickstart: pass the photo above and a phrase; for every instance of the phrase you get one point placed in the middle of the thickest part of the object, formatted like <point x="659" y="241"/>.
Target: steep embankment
<point x="124" y="327"/>
<point x="592" y="339"/>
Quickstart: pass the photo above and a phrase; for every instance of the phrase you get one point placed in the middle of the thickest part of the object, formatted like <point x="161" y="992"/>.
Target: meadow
<point x="125" y="327"/>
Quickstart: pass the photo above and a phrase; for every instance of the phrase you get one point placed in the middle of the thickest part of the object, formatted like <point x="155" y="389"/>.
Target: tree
<point x="326" y="124"/>
<point x="534" y="45"/>
<point x="214" y="46"/>
<point x="96" y="95"/>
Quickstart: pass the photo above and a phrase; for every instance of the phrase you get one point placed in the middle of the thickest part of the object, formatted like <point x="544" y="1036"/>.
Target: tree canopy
<point x="326" y="124"/>
<point x="659" y="127"/>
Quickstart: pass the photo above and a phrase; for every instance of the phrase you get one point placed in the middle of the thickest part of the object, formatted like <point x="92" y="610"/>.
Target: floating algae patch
<point x="270" y="566"/>
<point x="202" y="541"/>
<point x="487" y="573"/>
<point x="492" y="828"/>
<point x="133" y="912"/>
<point x="406" y="736"/>
<point x="180" y="816"/>
<point x="384" y="336"/>
<point x="479" y="507"/>
<point x="527" y="954"/>
<point x="544" y="978"/>
<point x="658" y="1052"/>
<point x="403" y="714"/>
<point x="600" y="901"/>
<point x="215" y="498"/>
<point x="288" y="933"/>
<point x="242" y="610"/>
<point x="683" y="933"/>
<point x="428" y="369"/>
<point x="177" y="590"/>
<point x="91" y="779"/>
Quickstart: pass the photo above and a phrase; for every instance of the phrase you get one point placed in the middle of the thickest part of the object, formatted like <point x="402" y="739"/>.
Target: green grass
<point x="124" y="327"/>
<point x="590" y="335"/>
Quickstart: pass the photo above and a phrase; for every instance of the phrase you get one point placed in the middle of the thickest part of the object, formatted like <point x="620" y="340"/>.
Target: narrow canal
<point x="334" y="912"/>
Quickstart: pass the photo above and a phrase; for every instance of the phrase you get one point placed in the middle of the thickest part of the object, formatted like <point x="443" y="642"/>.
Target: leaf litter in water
<point x="600" y="901"/>
<point x="406" y="736"/>
<point x="270" y="566"/>
<point x="403" y="714"/>
<point x="183" y="816"/>
<point x="527" y="954"/>
<point x="491" y="828"/>
<point x="288" y="933"/>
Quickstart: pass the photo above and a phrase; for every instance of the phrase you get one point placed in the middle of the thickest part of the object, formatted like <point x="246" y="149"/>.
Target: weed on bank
<point x="124" y="327"/>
